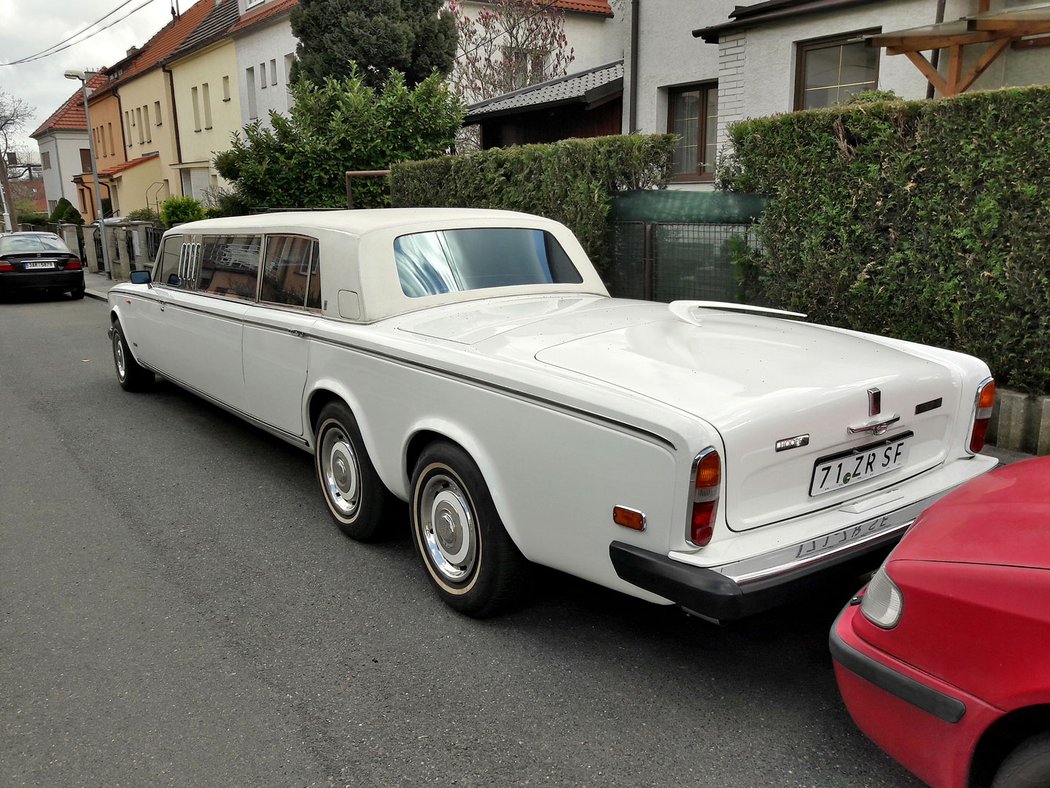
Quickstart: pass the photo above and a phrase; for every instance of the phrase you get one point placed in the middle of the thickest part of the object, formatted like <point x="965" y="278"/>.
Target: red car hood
<point x="1002" y="517"/>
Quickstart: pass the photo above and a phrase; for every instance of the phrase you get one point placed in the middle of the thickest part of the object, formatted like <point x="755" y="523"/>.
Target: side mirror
<point x="140" y="278"/>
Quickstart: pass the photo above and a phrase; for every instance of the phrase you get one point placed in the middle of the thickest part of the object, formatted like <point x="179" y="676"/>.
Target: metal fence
<point x="670" y="245"/>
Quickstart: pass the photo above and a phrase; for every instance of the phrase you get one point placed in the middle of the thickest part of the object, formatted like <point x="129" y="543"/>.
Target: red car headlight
<point x="883" y="601"/>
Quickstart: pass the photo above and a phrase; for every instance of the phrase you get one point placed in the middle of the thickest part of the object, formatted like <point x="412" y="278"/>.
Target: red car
<point x="944" y="659"/>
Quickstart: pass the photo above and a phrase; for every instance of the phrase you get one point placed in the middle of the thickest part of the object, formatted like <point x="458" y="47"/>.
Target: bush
<point x="925" y="220"/>
<point x="570" y="181"/>
<point x="65" y="212"/>
<point x="144" y="215"/>
<point x="176" y="210"/>
<point x="338" y="126"/>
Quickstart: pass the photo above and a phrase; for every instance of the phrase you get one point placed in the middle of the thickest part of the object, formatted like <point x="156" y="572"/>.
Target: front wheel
<point x="357" y="499"/>
<point x="1028" y="766"/>
<point x="475" y="567"/>
<point x="130" y="374"/>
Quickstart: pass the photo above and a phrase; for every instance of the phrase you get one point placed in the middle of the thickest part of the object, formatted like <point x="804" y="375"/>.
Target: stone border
<point x="1020" y="422"/>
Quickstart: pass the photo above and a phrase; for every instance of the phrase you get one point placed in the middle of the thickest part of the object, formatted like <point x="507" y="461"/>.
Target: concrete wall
<point x="141" y="186"/>
<point x="207" y="130"/>
<point x="269" y="47"/>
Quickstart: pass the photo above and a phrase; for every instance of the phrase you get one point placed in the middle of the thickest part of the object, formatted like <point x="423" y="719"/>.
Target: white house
<point x="265" y="53"/>
<point x="696" y="67"/>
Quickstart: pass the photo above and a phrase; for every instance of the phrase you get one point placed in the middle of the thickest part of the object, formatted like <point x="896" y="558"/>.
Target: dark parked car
<point x="944" y="660"/>
<point x="39" y="261"/>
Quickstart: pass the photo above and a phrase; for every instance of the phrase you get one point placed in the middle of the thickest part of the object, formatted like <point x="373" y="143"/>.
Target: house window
<point x="829" y="71"/>
<point x="85" y="159"/>
<point x="138" y="124"/>
<point x="127" y="125"/>
<point x="253" y="110"/>
<point x="262" y="76"/>
<point x="45" y="160"/>
<point x="692" y="114"/>
<point x="252" y="3"/>
<point x="523" y="67"/>
<point x="156" y="111"/>
<point x="273" y="71"/>
<point x="289" y="59"/>
<point x="109" y="129"/>
<point x="206" y="94"/>
<point x="196" y="109"/>
<point x="225" y="88"/>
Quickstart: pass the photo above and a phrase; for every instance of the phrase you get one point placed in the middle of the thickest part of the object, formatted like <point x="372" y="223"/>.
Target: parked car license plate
<point x="38" y="264"/>
<point x="857" y="465"/>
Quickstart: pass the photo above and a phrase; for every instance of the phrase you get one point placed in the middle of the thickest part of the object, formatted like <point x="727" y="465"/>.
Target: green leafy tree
<point x="337" y="126"/>
<point x="416" y="37"/>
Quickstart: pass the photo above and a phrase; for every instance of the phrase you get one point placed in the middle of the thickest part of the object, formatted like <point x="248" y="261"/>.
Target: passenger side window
<point x="290" y="271"/>
<point x="229" y="265"/>
<point x="167" y="264"/>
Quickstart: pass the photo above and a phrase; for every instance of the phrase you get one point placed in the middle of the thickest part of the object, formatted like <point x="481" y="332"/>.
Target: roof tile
<point x="70" y="116"/>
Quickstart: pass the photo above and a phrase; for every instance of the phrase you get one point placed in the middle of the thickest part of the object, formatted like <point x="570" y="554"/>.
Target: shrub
<point x="144" y="215"/>
<point x="176" y="210"/>
<point x="65" y="212"/>
<point x="925" y="220"/>
<point x="570" y="181"/>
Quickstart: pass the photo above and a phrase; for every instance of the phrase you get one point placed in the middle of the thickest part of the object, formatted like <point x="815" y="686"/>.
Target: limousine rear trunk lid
<point x="757" y="380"/>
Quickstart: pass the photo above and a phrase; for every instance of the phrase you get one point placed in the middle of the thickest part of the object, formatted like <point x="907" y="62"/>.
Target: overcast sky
<point x="30" y="26"/>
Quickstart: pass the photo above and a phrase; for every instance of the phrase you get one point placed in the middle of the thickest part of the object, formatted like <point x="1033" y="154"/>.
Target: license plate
<point x="38" y="264"/>
<point x="860" y="464"/>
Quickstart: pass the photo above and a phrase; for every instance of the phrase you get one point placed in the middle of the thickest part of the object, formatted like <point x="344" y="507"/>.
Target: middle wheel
<point x="470" y="558"/>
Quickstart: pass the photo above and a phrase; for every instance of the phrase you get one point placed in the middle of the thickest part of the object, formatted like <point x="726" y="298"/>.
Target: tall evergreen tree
<point x="413" y="36"/>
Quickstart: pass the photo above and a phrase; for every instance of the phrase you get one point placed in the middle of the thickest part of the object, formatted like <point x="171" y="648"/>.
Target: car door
<point x="277" y="330"/>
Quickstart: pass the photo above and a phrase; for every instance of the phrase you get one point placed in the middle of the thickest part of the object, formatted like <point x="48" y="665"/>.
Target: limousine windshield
<point x="450" y="261"/>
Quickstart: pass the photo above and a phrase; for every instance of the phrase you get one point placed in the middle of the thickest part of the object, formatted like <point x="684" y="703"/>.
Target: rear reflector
<point x="982" y="414"/>
<point x="629" y="518"/>
<point x="707" y="477"/>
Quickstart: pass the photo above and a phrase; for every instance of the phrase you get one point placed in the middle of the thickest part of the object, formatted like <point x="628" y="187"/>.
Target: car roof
<point x="1001" y="518"/>
<point x="359" y="222"/>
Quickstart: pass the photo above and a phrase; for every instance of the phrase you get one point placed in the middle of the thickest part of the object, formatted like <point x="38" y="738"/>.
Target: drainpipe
<point x="175" y="123"/>
<point x="935" y="58"/>
<point x="632" y="116"/>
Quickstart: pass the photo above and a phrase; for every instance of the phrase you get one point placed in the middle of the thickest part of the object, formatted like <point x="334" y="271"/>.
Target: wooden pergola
<point x="1021" y="28"/>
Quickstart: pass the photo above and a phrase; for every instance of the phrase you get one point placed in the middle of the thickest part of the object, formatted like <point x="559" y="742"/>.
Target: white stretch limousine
<point x="472" y="363"/>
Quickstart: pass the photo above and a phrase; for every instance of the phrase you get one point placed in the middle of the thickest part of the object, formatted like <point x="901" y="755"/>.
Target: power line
<point x="54" y="49"/>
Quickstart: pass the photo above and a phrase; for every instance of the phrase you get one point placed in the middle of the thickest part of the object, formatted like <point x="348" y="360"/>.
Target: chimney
<point x="132" y="51"/>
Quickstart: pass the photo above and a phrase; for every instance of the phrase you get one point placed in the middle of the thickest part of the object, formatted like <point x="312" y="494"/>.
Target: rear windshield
<point x="12" y="244"/>
<point x="450" y="261"/>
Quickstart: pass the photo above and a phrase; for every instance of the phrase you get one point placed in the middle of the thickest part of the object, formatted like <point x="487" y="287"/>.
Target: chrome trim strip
<point x="297" y="440"/>
<point x="856" y="538"/>
<point x="874" y="427"/>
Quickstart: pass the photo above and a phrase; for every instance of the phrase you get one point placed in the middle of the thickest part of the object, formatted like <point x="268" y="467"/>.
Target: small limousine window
<point x="229" y="265"/>
<point x="290" y="271"/>
<point x="449" y="261"/>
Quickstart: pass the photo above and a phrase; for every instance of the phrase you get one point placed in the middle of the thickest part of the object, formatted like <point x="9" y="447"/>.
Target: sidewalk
<point x="97" y="285"/>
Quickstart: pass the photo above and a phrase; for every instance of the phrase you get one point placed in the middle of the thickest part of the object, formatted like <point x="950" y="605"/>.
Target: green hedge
<point x="570" y="181"/>
<point x="925" y="220"/>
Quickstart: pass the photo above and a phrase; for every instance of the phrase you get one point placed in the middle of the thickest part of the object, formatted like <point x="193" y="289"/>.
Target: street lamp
<point x="83" y="77"/>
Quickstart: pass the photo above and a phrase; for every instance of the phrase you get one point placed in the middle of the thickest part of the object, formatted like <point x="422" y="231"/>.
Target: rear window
<point x="451" y="261"/>
<point x="13" y="244"/>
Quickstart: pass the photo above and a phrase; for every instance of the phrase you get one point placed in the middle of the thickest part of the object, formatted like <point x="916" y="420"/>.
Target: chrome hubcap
<point x="449" y="528"/>
<point x="118" y="356"/>
<point x="342" y="474"/>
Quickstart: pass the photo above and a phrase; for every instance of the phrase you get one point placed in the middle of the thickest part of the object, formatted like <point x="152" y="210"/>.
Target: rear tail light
<point x="707" y="479"/>
<point x="883" y="602"/>
<point x="73" y="264"/>
<point x="6" y="266"/>
<point x="982" y="414"/>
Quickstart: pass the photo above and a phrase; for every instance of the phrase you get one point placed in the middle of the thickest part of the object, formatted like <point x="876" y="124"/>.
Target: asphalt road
<point x="177" y="608"/>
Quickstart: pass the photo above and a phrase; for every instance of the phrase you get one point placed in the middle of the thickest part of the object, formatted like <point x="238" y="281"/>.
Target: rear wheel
<point x="130" y="375"/>
<point x="475" y="567"/>
<point x="1028" y="766"/>
<point x="77" y="293"/>
<point x="357" y="499"/>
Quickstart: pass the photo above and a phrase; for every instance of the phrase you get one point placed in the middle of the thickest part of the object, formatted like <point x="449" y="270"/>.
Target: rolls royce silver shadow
<point x="472" y="364"/>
